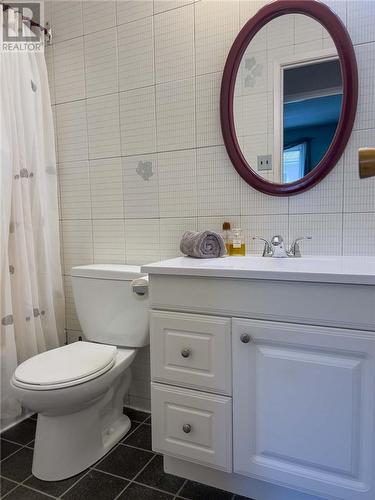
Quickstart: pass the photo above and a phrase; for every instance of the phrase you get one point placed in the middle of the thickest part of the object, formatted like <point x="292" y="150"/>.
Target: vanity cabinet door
<point x="303" y="407"/>
<point x="191" y="350"/>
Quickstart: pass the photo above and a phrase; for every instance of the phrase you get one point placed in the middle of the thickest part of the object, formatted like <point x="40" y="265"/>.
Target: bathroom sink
<point x="329" y="269"/>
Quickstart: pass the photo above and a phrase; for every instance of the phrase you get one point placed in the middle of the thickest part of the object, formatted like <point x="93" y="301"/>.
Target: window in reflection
<point x="294" y="161"/>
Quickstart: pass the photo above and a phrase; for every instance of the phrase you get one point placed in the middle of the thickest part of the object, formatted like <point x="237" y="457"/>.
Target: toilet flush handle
<point x="140" y="285"/>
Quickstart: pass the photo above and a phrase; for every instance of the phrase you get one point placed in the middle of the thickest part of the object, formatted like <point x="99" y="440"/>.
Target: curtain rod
<point x="46" y="31"/>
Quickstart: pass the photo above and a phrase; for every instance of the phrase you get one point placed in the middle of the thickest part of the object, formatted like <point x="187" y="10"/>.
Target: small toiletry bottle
<point x="237" y="245"/>
<point x="226" y="235"/>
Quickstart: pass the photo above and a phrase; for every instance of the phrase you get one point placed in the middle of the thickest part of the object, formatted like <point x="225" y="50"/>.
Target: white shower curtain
<point x="32" y="300"/>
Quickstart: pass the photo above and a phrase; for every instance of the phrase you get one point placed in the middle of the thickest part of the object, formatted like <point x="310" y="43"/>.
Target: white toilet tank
<point x="109" y="311"/>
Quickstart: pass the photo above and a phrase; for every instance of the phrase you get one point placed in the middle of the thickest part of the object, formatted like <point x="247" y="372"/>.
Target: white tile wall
<point x="101" y="62"/>
<point x="67" y="20"/>
<point x="174" y="44"/>
<point x="359" y="234"/>
<point x="69" y="71"/>
<point x="175" y="115"/>
<point x="359" y="194"/>
<point x="248" y="8"/>
<point x="75" y="190"/>
<point x="218" y="184"/>
<point x="265" y="226"/>
<point x="255" y="203"/>
<point x="72" y="131"/>
<point x="48" y="54"/>
<point x="131" y="10"/>
<point x="306" y="29"/>
<point x="109" y="241"/>
<point x="216" y="26"/>
<point x="141" y="188"/>
<point x="106" y="188"/>
<point x="365" y="55"/>
<point x="280" y="32"/>
<point x="139" y="143"/>
<point x="360" y="20"/>
<point x="98" y="15"/>
<point x="77" y="243"/>
<point x="142" y="241"/>
<point x="71" y="319"/>
<point x="136" y="54"/>
<point x="138" y="121"/>
<point x="325" y="229"/>
<point x="177" y="183"/>
<point x="170" y="234"/>
<point x="324" y="198"/>
<point x="164" y="5"/>
<point x="208" y="127"/>
<point x="103" y="126"/>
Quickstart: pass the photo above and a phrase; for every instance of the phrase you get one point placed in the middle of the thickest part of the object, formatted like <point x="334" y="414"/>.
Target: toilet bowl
<point x="78" y="390"/>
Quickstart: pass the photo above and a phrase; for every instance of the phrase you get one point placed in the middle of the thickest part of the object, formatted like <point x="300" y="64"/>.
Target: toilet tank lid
<point x="120" y="272"/>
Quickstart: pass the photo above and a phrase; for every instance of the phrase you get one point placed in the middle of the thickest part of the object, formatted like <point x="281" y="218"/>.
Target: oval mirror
<point x="289" y="96"/>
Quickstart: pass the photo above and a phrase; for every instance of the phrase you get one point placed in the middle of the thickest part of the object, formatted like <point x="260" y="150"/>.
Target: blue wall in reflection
<point x="312" y="122"/>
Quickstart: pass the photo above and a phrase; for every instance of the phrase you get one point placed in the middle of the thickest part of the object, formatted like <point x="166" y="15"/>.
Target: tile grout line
<point x="131" y="481"/>
<point x="153" y="488"/>
<point x="21" y="447"/>
<point x="10" y="491"/>
<point x="23" y="484"/>
<point x="156" y="134"/>
<point x="180" y="489"/>
<point x="76" y="482"/>
<point x="87" y="136"/>
<point x="130" y="434"/>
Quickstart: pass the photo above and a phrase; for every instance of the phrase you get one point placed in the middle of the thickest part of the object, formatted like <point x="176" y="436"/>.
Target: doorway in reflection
<point x="312" y="100"/>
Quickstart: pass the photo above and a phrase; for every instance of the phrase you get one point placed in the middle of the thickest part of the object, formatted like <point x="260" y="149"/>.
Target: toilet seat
<point x="66" y="366"/>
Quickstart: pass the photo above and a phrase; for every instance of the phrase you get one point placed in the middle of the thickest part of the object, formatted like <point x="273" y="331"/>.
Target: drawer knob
<point x="245" y="338"/>
<point x="186" y="428"/>
<point x="185" y="353"/>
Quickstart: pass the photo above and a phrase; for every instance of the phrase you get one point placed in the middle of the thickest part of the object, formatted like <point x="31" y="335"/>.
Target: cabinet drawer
<point x="192" y="425"/>
<point x="191" y="350"/>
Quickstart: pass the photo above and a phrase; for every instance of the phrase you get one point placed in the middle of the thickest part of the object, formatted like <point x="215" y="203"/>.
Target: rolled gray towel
<point x="202" y="244"/>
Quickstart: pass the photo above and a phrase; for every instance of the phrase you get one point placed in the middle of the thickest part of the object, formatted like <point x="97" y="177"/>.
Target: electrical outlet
<point x="264" y="162"/>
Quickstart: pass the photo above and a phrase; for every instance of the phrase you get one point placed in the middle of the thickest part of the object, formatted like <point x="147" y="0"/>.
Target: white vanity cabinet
<point x="303" y="406"/>
<point x="265" y="387"/>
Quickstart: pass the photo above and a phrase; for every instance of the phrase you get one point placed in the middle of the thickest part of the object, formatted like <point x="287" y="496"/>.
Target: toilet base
<point x="68" y="444"/>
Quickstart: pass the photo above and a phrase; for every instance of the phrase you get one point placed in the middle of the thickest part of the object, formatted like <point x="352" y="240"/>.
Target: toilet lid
<point x="66" y="364"/>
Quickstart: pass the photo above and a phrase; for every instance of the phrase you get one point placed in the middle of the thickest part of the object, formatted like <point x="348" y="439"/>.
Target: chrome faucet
<point x="276" y="247"/>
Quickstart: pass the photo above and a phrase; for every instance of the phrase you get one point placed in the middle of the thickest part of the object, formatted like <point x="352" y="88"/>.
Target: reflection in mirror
<point x="287" y="98"/>
<point x="312" y="97"/>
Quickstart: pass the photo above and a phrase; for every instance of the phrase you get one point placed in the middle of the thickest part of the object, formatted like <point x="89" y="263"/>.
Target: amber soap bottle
<point x="237" y="246"/>
<point x="226" y="236"/>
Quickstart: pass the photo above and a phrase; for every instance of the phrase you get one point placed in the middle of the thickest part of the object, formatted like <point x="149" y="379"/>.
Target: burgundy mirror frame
<point x="341" y="38"/>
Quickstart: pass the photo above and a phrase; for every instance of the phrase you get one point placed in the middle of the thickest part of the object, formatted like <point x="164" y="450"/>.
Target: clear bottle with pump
<point x="237" y="245"/>
<point x="226" y="235"/>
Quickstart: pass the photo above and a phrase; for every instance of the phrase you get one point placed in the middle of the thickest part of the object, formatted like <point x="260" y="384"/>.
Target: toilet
<point x="78" y="390"/>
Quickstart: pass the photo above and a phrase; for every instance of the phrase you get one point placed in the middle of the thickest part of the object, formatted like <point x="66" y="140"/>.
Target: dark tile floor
<point x="131" y="471"/>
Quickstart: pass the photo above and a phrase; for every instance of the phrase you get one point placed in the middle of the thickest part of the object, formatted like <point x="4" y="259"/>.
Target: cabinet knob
<point x="185" y="353"/>
<point x="186" y="428"/>
<point x="245" y="338"/>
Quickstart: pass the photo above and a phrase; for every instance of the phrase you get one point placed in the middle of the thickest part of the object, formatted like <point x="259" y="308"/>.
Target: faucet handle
<point x="294" y="247"/>
<point x="267" y="250"/>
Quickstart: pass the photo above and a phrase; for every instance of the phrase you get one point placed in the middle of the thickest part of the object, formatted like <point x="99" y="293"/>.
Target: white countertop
<point x="354" y="270"/>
